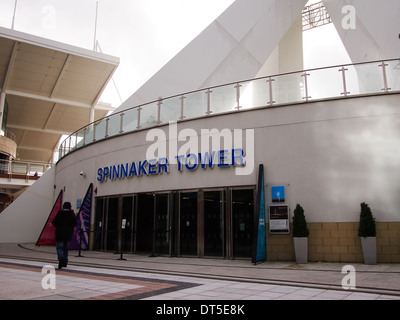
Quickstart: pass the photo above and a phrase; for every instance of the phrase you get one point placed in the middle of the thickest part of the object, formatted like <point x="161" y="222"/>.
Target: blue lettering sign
<point x="179" y="158"/>
<point x="191" y="165"/>
<point x="124" y="170"/>
<point x="153" y="166"/>
<point x="206" y="159"/>
<point x="133" y="171"/>
<point x="237" y="156"/>
<point x="223" y="159"/>
<point x="142" y="168"/>
<point x="192" y="161"/>
<point x="163" y="165"/>
<point x="115" y="172"/>
<point x="100" y="175"/>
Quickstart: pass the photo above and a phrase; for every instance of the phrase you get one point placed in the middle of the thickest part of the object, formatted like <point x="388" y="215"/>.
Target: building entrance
<point x="144" y="229"/>
<point x="106" y="224"/>
<point x="214" y="223"/>
<point x="200" y="223"/>
<point x="242" y="222"/>
<point x="164" y="210"/>
<point x="188" y="224"/>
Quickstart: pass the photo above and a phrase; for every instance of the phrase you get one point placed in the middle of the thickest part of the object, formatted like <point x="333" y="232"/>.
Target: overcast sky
<point x="144" y="34"/>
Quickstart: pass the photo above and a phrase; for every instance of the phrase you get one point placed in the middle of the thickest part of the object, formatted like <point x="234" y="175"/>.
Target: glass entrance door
<point x="127" y="234"/>
<point x="112" y="224"/>
<point x="99" y="230"/>
<point x="188" y="223"/>
<point x="242" y="222"/>
<point x="214" y="223"/>
<point x="144" y="223"/>
<point x="163" y="225"/>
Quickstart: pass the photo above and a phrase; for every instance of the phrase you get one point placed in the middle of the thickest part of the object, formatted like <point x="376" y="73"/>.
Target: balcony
<point x="7" y="144"/>
<point x="337" y="82"/>
<point x="21" y="172"/>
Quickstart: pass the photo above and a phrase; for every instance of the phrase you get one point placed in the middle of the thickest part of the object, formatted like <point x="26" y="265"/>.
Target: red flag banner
<point x="48" y="236"/>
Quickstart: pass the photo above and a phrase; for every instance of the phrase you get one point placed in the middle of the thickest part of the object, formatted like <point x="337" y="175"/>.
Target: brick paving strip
<point x="148" y="287"/>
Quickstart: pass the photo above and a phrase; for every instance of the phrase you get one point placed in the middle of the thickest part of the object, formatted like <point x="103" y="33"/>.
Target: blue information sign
<point x="278" y="194"/>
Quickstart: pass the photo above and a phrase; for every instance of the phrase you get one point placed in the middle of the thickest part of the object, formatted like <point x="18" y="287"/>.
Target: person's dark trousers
<point x="62" y="253"/>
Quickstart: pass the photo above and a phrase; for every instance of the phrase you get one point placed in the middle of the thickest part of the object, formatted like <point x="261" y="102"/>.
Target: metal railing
<point x="370" y="78"/>
<point x="8" y="134"/>
<point x="23" y="169"/>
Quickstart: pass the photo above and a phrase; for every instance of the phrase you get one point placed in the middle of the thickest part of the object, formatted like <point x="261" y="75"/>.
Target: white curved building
<point x="175" y="168"/>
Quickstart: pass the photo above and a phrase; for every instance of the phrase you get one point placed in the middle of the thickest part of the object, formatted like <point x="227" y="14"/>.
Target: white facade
<point x="329" y="155"/>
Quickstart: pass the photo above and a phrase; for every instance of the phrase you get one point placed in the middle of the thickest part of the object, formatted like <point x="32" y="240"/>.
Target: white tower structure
<point x="369" y="30"/>
<point x="236" y="46"/>
<point x="264" y="37"/>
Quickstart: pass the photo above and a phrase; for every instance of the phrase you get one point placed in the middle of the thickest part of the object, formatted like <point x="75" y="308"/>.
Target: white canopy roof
<point x="50" y="88"/>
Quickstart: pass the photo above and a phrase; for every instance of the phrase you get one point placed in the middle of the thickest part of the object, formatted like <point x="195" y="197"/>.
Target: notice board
<point x="279" y="219"/>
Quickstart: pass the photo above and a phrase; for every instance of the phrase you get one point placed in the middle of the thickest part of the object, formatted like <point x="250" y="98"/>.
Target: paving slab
<point x="100" y="276"/>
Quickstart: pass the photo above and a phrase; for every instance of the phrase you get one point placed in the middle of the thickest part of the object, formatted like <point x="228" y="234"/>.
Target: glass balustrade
<point x="254" y="94"/>
<point x="223" y="99"/>
<point x="324" y="83"/>
<point x="288" y="88"/>
<point x="101" y="129"/>
<point x="130" y="120"/>
<point x="171" y="109"/>
<point x="195" y="105"/>
<point x="369" y="78"/>
<point x="114" y="125"/>
<point x="15" y="169"/>
<point x="296" y="87"/>
<point x="392" y="69"/>
<point x="149" y="115"/>
<point x="89" y="133"/>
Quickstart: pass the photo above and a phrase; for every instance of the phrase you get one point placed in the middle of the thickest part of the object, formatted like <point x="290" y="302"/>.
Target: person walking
<point x="65" y="222"/>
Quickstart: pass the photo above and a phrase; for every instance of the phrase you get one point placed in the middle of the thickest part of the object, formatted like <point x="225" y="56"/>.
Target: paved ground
<point x="28" y="272"/>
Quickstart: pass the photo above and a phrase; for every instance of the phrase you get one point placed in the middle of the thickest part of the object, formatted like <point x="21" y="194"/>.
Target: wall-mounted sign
<point x="279" y="219"/>
<point x="190" y="162"/>
<point x="278" y="194"/>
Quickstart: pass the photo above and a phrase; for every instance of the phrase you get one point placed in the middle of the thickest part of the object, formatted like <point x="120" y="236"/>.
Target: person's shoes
<point x="60" y="264"/>
<point x="65" y="263"/>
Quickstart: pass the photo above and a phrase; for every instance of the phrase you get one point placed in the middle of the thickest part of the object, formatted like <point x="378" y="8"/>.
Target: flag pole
<point x="13" y="19"/>
<point x="95" y="28"/>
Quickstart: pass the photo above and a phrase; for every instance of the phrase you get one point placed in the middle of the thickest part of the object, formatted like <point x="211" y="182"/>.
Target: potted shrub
<point x="300" y="235"/>
<point x="367" y="232"/>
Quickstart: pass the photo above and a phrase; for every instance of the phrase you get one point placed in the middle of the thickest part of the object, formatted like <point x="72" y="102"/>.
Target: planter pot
<point x="301" y="249"/>
<point x="368" y="245"/>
